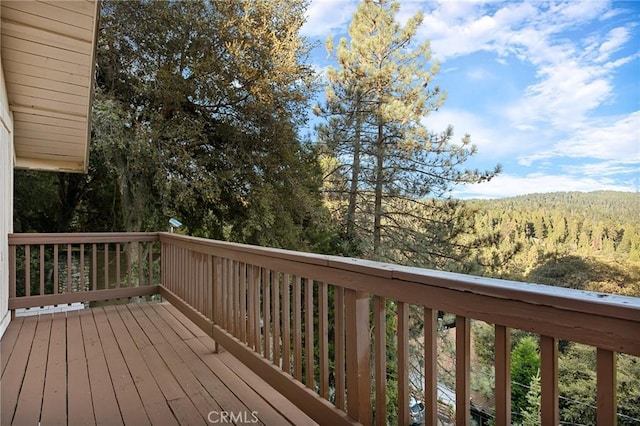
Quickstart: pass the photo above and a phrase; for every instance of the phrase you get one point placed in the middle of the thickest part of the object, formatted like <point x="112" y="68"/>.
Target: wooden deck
<point x="132" y="364"/>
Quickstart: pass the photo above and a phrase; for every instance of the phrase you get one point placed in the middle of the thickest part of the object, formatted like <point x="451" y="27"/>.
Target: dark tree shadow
<point x="587" y="274"/>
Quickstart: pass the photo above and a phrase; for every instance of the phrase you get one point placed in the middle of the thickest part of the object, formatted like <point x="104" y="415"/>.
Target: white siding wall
<point x="6" y="199"/>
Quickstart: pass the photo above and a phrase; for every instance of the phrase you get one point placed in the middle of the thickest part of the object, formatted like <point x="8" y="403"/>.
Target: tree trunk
<point x="377" y="222"/>
<point x="355" y="178"/>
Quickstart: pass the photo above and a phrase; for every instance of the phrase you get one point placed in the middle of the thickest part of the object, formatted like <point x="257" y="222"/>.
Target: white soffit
<point x="48" y="56"/>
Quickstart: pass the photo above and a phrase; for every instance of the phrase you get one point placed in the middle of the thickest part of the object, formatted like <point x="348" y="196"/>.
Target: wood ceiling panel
<point x="54" y="19"/>
<point x="86" y="8"/>
<point x="37" y="103"/>
<point x="45" y="51"/>
<point x="48" y="51"/>
<point x="44" y="93"/>
<point x="43" y="62"/>
<point x="58" y="127"/>
<point x="27" y="132"/>
<point x="46" y="84"/>
<point x="37" y="151"/>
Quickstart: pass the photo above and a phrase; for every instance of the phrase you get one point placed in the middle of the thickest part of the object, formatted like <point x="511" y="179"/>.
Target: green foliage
<point x="531" y="414"/>
<point x="525" y="364"/>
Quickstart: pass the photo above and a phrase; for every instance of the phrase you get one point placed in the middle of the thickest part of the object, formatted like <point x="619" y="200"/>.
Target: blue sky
<point x="550" y="90"/>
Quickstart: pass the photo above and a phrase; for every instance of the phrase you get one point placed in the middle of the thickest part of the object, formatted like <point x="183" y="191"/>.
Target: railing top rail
<point x="609" y="305"/>
<point x="81" y="237"/>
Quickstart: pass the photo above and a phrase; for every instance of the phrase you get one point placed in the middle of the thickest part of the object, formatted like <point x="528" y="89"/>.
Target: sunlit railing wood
<point x="59" y="269"/>
<point x="314" y="326"/>
<point x="270" y="309"/>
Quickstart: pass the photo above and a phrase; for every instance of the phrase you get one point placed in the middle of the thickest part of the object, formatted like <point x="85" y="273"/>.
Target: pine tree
<point x="399" y="171"/>
<point x="531" y="414"/>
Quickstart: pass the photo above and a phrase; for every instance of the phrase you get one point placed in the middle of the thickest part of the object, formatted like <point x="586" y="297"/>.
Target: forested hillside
<point x="588" y="241"/>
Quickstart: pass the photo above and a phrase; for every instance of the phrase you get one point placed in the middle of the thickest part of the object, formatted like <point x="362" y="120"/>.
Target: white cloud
<point x="606" y="140"/>
<point x="510" y="185"/>
<point x="325" y="17"/>
<point x="616" y="38"/>
<point x="606" y="168"/>
<point x="479" y="74"/>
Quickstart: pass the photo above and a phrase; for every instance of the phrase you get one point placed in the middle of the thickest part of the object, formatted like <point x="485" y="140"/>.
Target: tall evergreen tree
<point x="397" y="169"/>
<point x="207" y="99"/>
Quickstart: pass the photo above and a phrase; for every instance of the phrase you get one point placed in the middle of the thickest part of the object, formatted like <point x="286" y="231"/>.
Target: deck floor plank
<point x="201" y="374"/>
<point x="55" y="383"/>
<point x="193" y="329"/>
<point x="105" y="404"/>
<point x="128" y="364"/>
<point x="16" y="367"/>
<point x="30" y="400"/>
<point x="9" y="341"/>
<point x="141" y="340"/>
<point x="260" y="387"/>
<point x="80" y="404"/>
<point x="268" y="405"/>
<point x="189" y="383"/>
<point x="126" y="392"/>
<point x="152" y="398"/>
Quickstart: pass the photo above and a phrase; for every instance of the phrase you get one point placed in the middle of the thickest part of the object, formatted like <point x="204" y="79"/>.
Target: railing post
<point x="549" y="380"/>
<point x="358" y="356"/>
<point x="12" y="276"/>
<point x="607" y="387"/>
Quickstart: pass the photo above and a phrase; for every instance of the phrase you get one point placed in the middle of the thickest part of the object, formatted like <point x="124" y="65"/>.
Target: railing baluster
<point x="323" y="338"/>
<point x="549" y="380"/>
<point x="339" y="346"/>
<point x="431" y="366"/>
<point x="94" y="264"/>
<point x="463" y="364"/>
<point x="380" y="355"/>
<point x="266" y="312"/>
<point x="232" y="285"/>
<point x="232" y="301"/>
<point x="256" y="308"/>
<point x="246" y="319"/>
<point x="403" y="363"/>
<point x="55" y="269"/>
<point x="27" y="270"/>
<point x="308" y="333"/>
<point x="275" y="283"/>
<point x="41" y="269"/>
<point x="218" y="279"/>
<point x="118" y="276"/>
<point x="503" y="375"/>
<point x="297" y="329"/>
<point x="69" y="277"/>
<point x="82" y="267"/>
<point x="243" y="296"/>
<point x="286" y="325"/>
<point x="209" y="286"/>
<point x="129" y="253"/>
<point x="223" y="293"/>
<point x="607" y="387"/>
<point x="140" y="263"/>
<point x="106" y="266"/>
<point x="150" y="264"/>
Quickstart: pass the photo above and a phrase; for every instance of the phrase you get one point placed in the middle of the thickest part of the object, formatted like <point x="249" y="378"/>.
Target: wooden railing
<point x="271" y="309"/>
<point x="315" y="327"/>
<point x="58" y="269"/>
